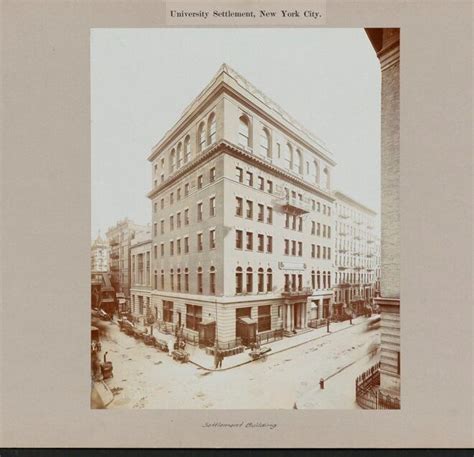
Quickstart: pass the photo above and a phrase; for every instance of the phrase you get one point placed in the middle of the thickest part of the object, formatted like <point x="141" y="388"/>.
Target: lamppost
<point x="215" y="338"/>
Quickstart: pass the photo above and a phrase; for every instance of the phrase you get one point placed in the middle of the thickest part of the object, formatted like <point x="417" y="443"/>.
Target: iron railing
<point x="267" y="337"/>
<point x="368" y="395"/>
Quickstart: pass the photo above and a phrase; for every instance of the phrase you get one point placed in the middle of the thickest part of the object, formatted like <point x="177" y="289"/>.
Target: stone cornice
<point x="226" y="147"/>
<point x="188" y="117"/>
<point x="349" y="200"/>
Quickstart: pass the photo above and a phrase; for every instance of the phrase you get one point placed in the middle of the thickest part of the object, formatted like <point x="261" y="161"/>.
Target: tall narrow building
<point x="242" y="234"/>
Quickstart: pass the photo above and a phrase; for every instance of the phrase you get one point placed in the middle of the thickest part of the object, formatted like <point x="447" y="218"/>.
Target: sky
<point x="143" y="79"/>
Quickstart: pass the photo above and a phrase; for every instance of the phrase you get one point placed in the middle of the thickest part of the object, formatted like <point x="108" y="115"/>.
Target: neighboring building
<point x="356" y="255"/>
<point x="140" y="291"/>
<point x="99" y="255"/>
<point x="102" y="293"/>
<point x="239" y="189"/>
<point x="120" y="237"/>
<point x="385" y="377"/>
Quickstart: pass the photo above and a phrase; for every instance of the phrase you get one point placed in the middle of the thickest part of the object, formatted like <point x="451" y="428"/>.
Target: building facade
<point x="242" y="216"/>
<point x="386" y="43"/>
<point x="99" y="255"/>
<point x="120" y="238"/>
<point x="357" y="256"/>
<point x="141" y="278"/>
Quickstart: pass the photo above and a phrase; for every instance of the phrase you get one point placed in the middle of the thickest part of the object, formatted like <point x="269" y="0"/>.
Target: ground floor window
<point x="167" y="311"/>
<point x="193" y="316"/>
<point x="264" y="318"/>
<point x="140" y="304"/>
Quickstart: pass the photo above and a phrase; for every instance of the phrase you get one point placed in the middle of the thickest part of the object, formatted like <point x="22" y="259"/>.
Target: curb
<point x="276" y="352"/>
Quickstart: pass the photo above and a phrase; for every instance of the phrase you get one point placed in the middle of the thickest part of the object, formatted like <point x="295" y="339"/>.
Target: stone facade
<point x="237" y="187"/>
<point x="140" y="277"/>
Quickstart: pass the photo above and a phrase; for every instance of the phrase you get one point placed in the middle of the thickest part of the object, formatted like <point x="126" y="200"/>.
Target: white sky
<point x="142" y="79"/>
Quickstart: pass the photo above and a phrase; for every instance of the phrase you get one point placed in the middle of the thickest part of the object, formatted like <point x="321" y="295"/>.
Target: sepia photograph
<point x="245" y="225"/>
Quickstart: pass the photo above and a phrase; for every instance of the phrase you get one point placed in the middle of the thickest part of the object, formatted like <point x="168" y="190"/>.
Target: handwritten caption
<point x="239" y="425"/>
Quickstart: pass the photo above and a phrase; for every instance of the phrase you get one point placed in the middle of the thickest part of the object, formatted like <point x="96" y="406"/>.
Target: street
<point x="147" y="378"/>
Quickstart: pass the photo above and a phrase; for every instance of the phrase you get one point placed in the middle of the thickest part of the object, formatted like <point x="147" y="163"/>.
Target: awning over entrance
<point x="247" y="320"/>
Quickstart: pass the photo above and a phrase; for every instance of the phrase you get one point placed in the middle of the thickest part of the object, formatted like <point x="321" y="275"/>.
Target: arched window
<point x="299" y="162"/>
<point x="269" y="280"/>
<point x="162" y="279"/>
<point x="261" y="280"/>
<point x="289" y="156"/>
<point x="244" y="131"/>
<point x="265" y="143"/>
<point x="318" y="279"/>
<point x="172" y="160"/>
<point x="186" y="280"/>
<point x="313" y="280"/>
<point x="199" y="280"/>
<point x="178" y="280"/>
<point x="212" y="280"/>
<point x="201" y="137"/>
<point x="172" y="279"/>
<point x="178" y="155"/>
<point x="316" y="172"/>
<point x="249" y="280"/>
<point x="187" y="149"/>
<point x="211" y="129"/>
<point x="327" y="182"/>
<point x="238" y="280"/>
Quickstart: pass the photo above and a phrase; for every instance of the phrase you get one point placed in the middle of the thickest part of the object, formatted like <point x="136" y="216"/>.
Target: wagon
<point x="259" y="352"/>
<point x="180" y="355"/>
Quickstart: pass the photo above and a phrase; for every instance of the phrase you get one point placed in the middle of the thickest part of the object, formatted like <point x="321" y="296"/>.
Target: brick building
<point x="239" y="189"/>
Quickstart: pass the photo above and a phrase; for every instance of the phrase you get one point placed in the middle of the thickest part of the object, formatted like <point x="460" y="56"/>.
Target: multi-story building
<point x="356" y="255"/>
<point x="120" y="238"/>
<point x="99" y="255"/>
<point x="242" y="216"/>
<point x="140" y="290"/>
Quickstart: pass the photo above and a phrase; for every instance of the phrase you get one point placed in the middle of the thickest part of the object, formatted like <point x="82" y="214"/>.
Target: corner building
<point x="242" y="218"/>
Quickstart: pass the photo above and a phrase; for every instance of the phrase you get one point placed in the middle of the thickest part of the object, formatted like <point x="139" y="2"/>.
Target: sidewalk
<point x="199" y="357"/>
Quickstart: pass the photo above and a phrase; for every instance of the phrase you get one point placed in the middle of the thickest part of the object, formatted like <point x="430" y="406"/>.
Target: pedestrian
<point x="216" y="360"/>
<point x="221" y="358"/>
<point x="350" y="318"/>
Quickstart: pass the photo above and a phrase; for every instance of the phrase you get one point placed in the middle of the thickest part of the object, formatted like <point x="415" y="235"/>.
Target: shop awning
<point x="207" y="322"/>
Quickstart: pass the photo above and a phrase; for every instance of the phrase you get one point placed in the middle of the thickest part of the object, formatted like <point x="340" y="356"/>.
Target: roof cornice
<point x="227" y="147"/>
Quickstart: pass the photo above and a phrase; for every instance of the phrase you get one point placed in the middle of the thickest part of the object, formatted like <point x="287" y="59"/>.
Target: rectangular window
<point x="171" y="247"/>
<point x="212" y="174"/>
<point x="193" y="317"/>
<point x="329" y="253"/>
<point x="260" y="214"/>
<point x="294" y="220"/>
<point x="199" y="212"/>
<point x="155" y="207"/>
<point x="186" y="245"/>
<point x="212" y="206"/>
<point x="178" y="246"/>
<point x="300" y="224"/>
<point x="287" y="220"/>
<point x="313" y="227"/>
<point x="238" y="239"/>
<point x="199" y="242"/>
<point x="212" y="239"/>
<point x="329" y="231"/>
<point x="249" y="178"/>
<point x="293" y="247"/>
<point x="199" y="182"/>
<point x="178" y="220"/>
<point x="239" y="174"/>
<point x="324" y="231"/>
<point x="186" y="189"/>
<point x="287" y="247"/>
<point x="167" y="311"/>
<point x="186" y="217"/>
<point x="261" y="183"/>
<point x="261" y="243"/>
<point x="171" y="223"/>
<point x="178" y="194"/>
<point x="318" y="205"/>
<point x="324" y="252"/>
<point x="269" y="244"/>
<point x="264" y="318"/>
<point x="313" y="251"/>
<point x="300" y="248"/>
<point x="162" y="249"/>
<point x="249" y="212"/>
<point x="162" y="203"/>
<point x="249" y="245"/>
<point x="239" y="203"/>
<point x="155" y="229"/>
<point x="171" y="198"/>
<point x="318" y="232"/>
<point x="269" y="215"/>
<point x="270" y="187"/>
